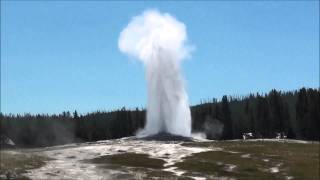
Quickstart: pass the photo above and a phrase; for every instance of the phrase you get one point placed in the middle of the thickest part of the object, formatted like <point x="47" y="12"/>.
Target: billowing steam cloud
<point x="159" y="41"/>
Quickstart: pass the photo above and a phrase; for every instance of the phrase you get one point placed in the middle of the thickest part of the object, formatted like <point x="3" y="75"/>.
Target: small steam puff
<point x="159" y="41"/>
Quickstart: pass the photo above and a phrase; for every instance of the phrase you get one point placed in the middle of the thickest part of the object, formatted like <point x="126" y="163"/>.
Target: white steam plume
<point x="159" y="41"/>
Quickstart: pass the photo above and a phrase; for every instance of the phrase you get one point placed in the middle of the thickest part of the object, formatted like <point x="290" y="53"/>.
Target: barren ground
<point x="131" y="158"/>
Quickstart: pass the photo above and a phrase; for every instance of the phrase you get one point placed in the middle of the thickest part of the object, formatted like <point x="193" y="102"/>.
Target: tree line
<point x="294" y="113"/>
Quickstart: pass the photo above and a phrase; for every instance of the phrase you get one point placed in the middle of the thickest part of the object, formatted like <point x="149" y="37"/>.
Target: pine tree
<point x="227" y="130"/>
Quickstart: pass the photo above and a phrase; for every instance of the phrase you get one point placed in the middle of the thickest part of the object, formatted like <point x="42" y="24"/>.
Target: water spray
<point x="160" y="42"/>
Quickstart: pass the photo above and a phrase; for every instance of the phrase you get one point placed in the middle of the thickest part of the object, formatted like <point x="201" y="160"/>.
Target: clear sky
<point x="64" y="55"/>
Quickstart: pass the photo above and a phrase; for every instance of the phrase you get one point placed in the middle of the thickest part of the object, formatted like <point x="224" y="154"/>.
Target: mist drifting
<point x="160" y="42"/>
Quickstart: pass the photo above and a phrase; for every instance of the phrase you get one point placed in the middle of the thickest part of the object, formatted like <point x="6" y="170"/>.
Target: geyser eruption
<point x="159" y="41"/>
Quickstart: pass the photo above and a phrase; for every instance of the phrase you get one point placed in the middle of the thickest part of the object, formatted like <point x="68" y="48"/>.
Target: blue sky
<point x="63" y="55"/>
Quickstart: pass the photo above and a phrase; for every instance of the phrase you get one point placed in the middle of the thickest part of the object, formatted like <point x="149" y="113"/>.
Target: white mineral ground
<point x="68" y="164"/>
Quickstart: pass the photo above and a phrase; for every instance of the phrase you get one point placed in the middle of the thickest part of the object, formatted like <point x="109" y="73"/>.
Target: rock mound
<point x="167" y="137"/>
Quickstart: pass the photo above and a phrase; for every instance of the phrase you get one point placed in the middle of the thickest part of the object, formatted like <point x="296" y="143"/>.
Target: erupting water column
<point x="159" y="41"/>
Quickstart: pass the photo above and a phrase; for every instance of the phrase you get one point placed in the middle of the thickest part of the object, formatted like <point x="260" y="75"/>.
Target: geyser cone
<point x="167" y="137"/>
<point x="158" y="40"/>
